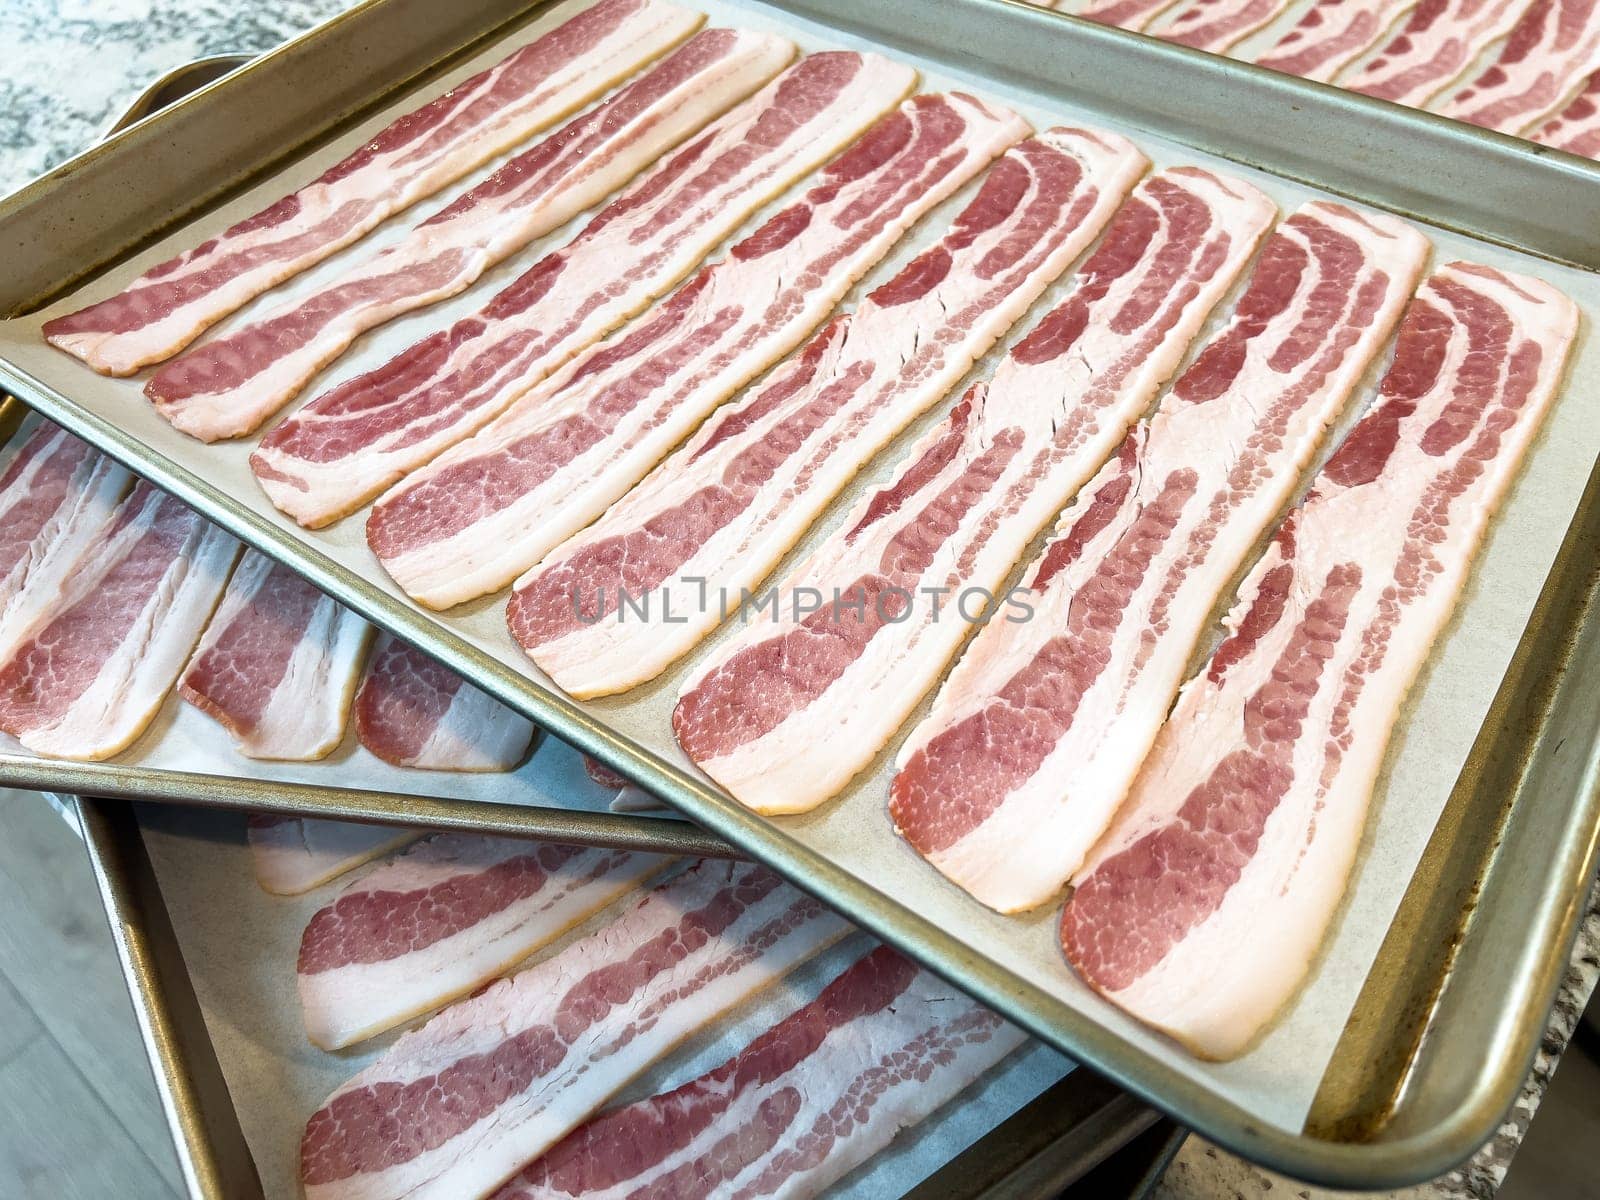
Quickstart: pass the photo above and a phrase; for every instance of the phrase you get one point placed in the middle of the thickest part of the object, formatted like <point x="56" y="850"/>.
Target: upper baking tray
<point x="1478" y="987"/>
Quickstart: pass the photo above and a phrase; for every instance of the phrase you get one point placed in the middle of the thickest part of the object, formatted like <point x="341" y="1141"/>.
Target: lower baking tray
<point x="1065" y="1140"/>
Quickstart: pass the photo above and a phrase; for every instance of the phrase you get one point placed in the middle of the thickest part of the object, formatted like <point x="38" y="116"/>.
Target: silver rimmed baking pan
<point x="1448" y="1016"/>
<point x="1078" y="1137"/>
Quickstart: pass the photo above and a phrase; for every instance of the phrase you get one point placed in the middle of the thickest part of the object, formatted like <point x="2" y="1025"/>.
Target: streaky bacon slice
<point x="56" y="495"/>
<point x="295" y="854"/>
<point x="1436" y="44"/>
<point x="717" y="516"/>
<point x="413" y="157"/>
<point x="278" y="664"/>
<point x="481" y="513"/>
<point x="895" y="588"/>
<point x="1576" y="128"/>
<point x="1038" y="733"/>
<point x="1125" y="14"/>
<point x="1216" y="25"/>
<point x="229" y="386"/>
<point x="629" y="798"/>
<point x="450" y="914"/>
<point x="1331" y="35"/>
<point x="1201" y="910"/>
<point x="90" y="673"/>
<point x="454" y="1109"/>
<point x="1549" y="53"/>
<point x="412" y="712"/>
<point x="881" y="1048"/>
<point x="347" y="445"/>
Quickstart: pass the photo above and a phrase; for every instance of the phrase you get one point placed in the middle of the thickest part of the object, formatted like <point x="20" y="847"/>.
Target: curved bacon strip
<point x="1331" y="35"/>
<point x="453" y="1110"/>
<point x="894" y="591"/>
<point x="278" y="664"/>
<point x="1437" y="43"/>
<point x="883" y="1046"/>
<point x="415" y="156"/>
<point x="56" y="495"/>
<point x="1550" y="51"/>
<point x="1201" y="910"/>
<point x="441" y="920"/>
<point x="1038" y="733"/>
<point x="474" y="519"/>
<point x="1576" y="129"/>
<point x="716" y="517"/>
<point x="229" y="386"/>
<point x="1215" y="25"/>
<point x="348" y="444"/>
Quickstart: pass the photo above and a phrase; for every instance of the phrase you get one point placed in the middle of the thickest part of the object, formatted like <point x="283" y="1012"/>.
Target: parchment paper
<point x="1277" y="1080"/>
<point x="240" y="946"/>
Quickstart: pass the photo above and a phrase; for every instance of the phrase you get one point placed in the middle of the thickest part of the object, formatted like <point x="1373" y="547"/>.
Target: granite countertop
<point x="74" y="64"/>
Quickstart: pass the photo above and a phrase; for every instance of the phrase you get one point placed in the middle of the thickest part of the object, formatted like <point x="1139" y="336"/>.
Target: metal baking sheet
<point x="209" y="963"/>
<point x="1407" y="1102"/>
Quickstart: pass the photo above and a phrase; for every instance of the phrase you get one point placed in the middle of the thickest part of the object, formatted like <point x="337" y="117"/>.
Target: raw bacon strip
<point x="1215" y="25"/>
<point x="1436" y="44"/>
<point x="629" y="797"/>
<point x="1038" y="733"/>
<point x="469" y="522"/>
<point x="1201" y="910"/>
<point x="962" y="506"/>
<point x="412" y="712"/>
<point x="278" y="664"/>
<point x="415" y="156"/>
<point x="56" y="496"/>
<point x="446" y="917"/>
<point x="1331" y="35"/>
<point x="93" y="670"/>
<point x="347" y="445"/>
<point x="1577" y="128"/>
<point x="1126" y="14"/>
<point x="295" y="854"/>
<point x="718" y="515"/>
<point x="1549" y="53"/>
<point x="454" y="1109"/>
<point x="879" y="1050"/>
<point x="229" y="386"/>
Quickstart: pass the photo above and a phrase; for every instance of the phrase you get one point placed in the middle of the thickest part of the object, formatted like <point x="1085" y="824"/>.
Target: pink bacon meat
<point x="1203" y="907"/>
<point x="295" y="854"/>
<point x="347" y="445"/>
<point x="961" y="508"/>
<point x="1038" y="733"/>
<point x="1437" y="43"/>
<point x="480" y="514"/>
<point x="95" y="667"/>
<point x="879" y="1050"/>
<point x="1331" y="35"/>
<point x="1125" y="14"/>
<point x="716" y="517"/>
<point x="456" y="1108"/>
<point x="1216" y="25"/>
<point x="1576" y="129"/>
<point x="412" y="712"/>
<point x="444" y="918"/>
<point x="1550" y="52"/>
<point x="56" y="495"/>
<point x="278" y="664"/>
<point x="415" y="156"/>
<point x="229" y="386"/>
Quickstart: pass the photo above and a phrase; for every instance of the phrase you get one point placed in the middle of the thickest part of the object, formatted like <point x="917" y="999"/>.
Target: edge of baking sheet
<point x="1064" y="1133"/>
<point x="1470" y="179"/>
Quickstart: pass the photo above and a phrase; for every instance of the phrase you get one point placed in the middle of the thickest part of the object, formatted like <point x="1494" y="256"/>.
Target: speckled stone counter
<point x="73" y="64"/>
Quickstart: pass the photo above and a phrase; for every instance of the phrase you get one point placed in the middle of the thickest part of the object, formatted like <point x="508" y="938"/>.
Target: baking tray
<point x="185" y="757"/>
<point x="1446" y="1026"/>
<point x="1082" y="1137"/>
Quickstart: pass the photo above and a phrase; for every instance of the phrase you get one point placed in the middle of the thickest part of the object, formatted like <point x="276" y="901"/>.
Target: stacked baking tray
<point x="1444" y="1022"/>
